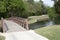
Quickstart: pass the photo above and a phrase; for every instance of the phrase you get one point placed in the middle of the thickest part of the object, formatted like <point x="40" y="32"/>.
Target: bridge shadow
<point x="1" y="29"/>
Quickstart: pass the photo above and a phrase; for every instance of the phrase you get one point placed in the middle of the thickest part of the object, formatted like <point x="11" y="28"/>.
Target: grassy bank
<point x="51" y="32"/>
<point x="34" y="19"/>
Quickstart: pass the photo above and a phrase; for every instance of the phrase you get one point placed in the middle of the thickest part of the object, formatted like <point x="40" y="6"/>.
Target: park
<point x="29" y="20"/>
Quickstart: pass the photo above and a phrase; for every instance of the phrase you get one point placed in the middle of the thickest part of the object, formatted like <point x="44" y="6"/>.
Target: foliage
<point x="15" y="7"/>
<point x="2" y="6"/>
<point x="19" y="8"/>
<point x="11" y="8"/>
<point x="51" y="12"/>
<point x="35" y="8"/>
<point x="57" y="9"/>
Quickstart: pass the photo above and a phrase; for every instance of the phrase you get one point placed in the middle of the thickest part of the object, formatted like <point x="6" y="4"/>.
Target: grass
<point x="34" y="19"/>
<point x="2" y="37"/>
<point x="51" y="32"/>
<point x="31" y="21"/>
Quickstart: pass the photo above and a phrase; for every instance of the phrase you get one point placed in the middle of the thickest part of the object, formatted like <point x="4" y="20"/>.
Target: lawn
<point x="51" y="32"/>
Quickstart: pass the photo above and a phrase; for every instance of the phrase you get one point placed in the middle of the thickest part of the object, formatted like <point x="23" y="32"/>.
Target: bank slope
<point x="51" y="32"/>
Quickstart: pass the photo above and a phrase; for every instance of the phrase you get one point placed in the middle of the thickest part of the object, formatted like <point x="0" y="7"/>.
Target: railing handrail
<point x="4" y="26"/>
<point x="23" y="22"/>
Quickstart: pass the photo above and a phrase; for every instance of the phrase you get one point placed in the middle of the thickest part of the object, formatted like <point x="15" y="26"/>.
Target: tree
<point x="57" y="9"/>
<point x="21" y="8"/>
<point x="15" y="7"/>
<point x="35" y="8"/>
<point x="2" y="8"/>
<point x="51" y="12"/>
<point x="30" y="1"/>
<point x="11" y="8"/>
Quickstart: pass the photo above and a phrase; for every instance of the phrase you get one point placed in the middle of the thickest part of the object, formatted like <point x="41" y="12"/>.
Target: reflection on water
<point x="41" y="24"/>
<point x="49" y="23"/>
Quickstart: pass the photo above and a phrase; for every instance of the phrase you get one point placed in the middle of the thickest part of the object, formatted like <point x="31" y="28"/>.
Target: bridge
<point x="14" y="24"/>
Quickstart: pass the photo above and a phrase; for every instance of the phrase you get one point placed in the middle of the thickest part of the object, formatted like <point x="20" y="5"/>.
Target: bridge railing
<point x="21" y="21"/>
<point x="4" y="26"/>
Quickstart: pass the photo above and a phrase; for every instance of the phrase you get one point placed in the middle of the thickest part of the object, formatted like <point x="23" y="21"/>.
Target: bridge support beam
<point x="26" y="22"/>
<point x="2" y="23"/>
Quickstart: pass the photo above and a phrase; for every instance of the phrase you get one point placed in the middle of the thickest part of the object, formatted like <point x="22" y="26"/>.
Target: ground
<point x="51" y="32"/>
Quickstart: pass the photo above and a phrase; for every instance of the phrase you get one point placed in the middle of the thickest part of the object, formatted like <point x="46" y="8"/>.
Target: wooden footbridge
<point x="13" y="24"/>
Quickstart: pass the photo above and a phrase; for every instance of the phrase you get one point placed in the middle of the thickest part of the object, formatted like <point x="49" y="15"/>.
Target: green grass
<point x="34" y="19"/>
<point x="31" y="21"/>
<point x="2" y="37"/>
<point x="51" y="32"/>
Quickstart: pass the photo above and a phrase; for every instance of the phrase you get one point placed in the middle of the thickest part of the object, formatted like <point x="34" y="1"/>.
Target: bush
<point x="51" y="13"/>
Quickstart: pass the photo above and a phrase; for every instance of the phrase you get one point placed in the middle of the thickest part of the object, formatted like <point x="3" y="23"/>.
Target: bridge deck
<point x="12" y="26"/>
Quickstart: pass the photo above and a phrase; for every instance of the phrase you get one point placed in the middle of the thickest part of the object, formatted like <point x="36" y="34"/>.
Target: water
<point x="41" y="24"/>
<point x="49" y="23"/>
